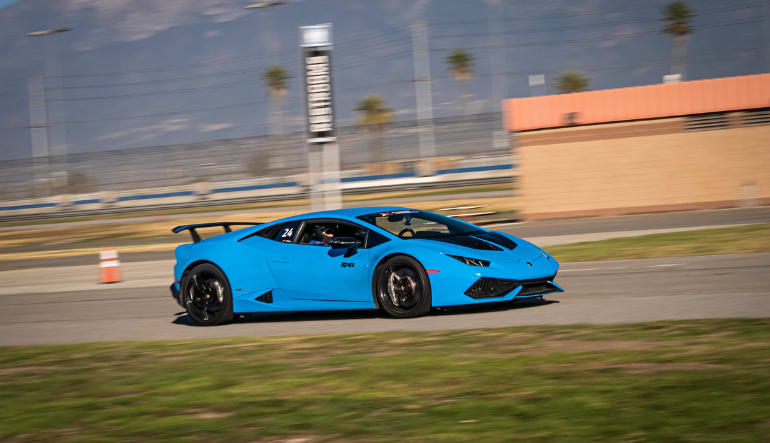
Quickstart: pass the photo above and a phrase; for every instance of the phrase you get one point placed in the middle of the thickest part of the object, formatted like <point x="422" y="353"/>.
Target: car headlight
<point x="471" y="261"/>
<point x="545" y="254"/>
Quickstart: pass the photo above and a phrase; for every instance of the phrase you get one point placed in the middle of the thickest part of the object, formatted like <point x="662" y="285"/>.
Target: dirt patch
<point x="637" y="368"/>
<point x="331" y="369"/>
<point x="388" y="353"/>
<point x="663" y="367"/>
<point x="300" y="439"/>
<point x="23" y="369"/>
<point x="206" y="414"/>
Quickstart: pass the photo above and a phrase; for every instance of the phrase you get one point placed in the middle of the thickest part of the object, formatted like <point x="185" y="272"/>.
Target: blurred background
<point x="110" y="103"/>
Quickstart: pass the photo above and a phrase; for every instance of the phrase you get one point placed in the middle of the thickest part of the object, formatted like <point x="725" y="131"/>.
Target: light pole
<point x="38" y="88"/>
<point x="424" y="96"/>
<point x="265" y="4"/>
<point x="497" y="62"/>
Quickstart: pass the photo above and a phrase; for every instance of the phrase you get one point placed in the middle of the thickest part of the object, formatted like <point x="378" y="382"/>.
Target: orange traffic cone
<point x="109" y="266"/>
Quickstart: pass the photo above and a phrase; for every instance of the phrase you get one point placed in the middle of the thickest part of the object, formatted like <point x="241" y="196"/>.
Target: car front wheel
<point x="402" y="287"/>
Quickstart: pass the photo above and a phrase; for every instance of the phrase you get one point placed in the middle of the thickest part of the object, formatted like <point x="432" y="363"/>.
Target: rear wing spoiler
<point x="194" y="233"/>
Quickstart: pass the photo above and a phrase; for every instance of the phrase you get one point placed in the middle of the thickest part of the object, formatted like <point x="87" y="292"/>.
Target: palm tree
<point x="276" y="80"/>
<point x="374" y="115"/>
<point x="570" y="82"/>
<point x="460" y="64"/>
<point x="678" y="17"/>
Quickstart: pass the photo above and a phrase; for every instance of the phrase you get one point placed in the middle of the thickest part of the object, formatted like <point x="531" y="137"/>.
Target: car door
<point x="322" y="273"/>
<point x="271" y="247"/>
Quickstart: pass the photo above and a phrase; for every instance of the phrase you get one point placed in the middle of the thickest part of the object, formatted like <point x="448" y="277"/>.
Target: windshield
<point x="418" y="224"/>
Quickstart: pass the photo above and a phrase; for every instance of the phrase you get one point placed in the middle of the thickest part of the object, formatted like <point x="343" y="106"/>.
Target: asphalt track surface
<point x="597" y="292"/>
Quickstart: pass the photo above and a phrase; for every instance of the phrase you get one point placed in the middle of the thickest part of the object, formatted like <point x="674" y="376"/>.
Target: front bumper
<point x="488" y="287"/>
<point x="467" y="285"/>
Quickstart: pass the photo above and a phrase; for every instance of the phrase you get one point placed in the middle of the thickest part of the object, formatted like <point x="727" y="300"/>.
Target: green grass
<point x="699" y="380"/>
<point x="732" y="240"/>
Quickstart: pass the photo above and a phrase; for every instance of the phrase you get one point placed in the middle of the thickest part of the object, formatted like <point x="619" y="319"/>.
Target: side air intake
<point x="267" y="297"/>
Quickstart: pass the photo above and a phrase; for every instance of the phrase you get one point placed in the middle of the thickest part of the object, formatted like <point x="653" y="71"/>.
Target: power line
<point x="373" y="85"/>
<point x="13" y="105"/>
<point x="734" y="54"/>
<point x="253" y="70"/>
<point x="387" y="57"/>
<point x="231" y="84"/>
<point x="552" y="17"/>
<point x="165" y="80"/>
<point x="380" y="45"/>
<point x="212" y="62"/>
<point x="589" y="25"/>
<point x="345" y="53"/>
<point x="204" y="63"/>
<point x="358" y="39"/>
<point x="12" y="93"/>
<point x="194" y="77"/>
<point x="160" y="114"/>
<point x="207" y="109"/>
<point x="156" y="93"/>
<point x="591" y="39"/>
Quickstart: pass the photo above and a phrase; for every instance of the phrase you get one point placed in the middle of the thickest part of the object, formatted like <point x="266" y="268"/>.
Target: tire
<point x="206" y="295"/>
<point x="402" y="288"/>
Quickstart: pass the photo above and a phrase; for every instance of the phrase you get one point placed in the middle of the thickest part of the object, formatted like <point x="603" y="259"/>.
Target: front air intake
<point x="487" y="287"/>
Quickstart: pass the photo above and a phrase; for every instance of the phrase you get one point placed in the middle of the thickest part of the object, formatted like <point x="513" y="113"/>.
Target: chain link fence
<point x="395" y="147"/>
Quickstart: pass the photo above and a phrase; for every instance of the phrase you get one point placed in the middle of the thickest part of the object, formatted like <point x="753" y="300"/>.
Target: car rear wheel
<point x="402" y="287"/>
<point x="206" y="295"/>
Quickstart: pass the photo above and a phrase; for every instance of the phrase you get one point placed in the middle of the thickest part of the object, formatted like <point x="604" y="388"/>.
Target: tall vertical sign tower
<point x="323" y="150"/>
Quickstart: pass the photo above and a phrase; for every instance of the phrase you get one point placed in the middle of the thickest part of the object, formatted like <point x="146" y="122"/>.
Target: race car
<point x="401" y="261"/>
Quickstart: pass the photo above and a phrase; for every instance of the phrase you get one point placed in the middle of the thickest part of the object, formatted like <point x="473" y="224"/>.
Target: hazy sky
<point x="142" y="73"/>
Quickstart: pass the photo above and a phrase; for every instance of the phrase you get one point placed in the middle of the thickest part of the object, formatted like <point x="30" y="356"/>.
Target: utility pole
<point x="766" y="34"/>
<point x="38" y="126"/>
<point x="497" y="65"/>
<point x="423" y="92"/>
<point x="42" y="135"/>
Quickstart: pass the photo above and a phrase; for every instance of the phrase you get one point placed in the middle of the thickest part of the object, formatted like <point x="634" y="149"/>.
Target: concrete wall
<point x="646" y="166"/>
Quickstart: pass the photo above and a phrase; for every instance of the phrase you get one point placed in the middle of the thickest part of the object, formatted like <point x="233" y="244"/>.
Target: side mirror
<point x="344" y="243"/>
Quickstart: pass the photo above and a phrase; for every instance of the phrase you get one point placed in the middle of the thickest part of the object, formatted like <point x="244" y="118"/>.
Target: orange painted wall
<point x="641" y="102"/>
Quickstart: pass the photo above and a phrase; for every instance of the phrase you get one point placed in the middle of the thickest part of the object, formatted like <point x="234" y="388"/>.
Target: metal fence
<point x="243" y="158"/>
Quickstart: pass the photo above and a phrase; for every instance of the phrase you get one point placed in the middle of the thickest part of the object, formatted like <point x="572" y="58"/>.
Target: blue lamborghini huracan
<point x="400" y="260"/>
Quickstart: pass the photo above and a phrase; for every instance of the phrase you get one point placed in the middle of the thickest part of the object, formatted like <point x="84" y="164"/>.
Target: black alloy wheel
<point x="402" y="287"/>
<point x="206" y="295"/>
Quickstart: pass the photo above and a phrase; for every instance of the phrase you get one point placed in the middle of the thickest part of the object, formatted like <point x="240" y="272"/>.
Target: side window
<point x="375" y="239"/>
<point x="286" y="233"/>
<point x="322" y="232"/>
<point x="282" y="232"/>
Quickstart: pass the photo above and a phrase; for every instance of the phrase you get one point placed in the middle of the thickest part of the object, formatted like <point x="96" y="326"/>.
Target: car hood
<point x="487" y="245"/>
